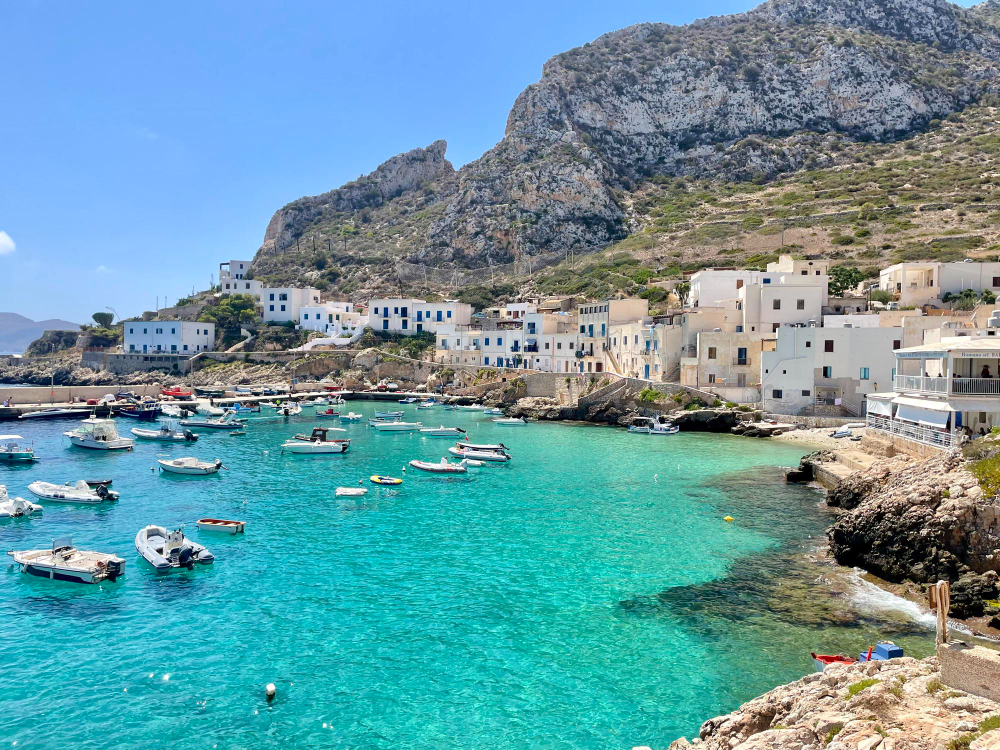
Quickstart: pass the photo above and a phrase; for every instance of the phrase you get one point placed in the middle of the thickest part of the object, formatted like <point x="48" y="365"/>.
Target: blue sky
<point x="145" y="142"/>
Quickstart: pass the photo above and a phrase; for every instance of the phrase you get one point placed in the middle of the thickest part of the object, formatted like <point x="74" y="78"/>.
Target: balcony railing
<point x="925" y="435"/>
<point x="531" y="347"/>
<point x="921" y="384"/>
<point x="741" y="361"/>
<point x="976" y="386"/>
<point x="957" y="386"/>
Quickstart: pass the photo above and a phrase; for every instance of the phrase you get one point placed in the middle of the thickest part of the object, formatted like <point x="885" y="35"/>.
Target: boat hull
<point x="312" y="449"/>
<point x="16" y="457"/>
<point x="442" y="468"/>
<point x="121" y="444"/>
<point x="194" y="471"/>
<point x="222" y="526"/>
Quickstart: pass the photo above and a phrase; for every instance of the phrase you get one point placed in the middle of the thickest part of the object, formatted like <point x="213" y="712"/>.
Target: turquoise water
<point x="587" y="595"/>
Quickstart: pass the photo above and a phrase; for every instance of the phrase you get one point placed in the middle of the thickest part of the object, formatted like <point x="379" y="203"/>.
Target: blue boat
<point x="144" y="412"/>
<point x="388" y="414"/>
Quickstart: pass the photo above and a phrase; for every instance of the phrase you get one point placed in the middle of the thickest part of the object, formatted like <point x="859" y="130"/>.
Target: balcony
<point x="936" y="438"/>
<point x="531" y="347"/>
<point x="958" y="386"/>
<point x="741" y="361"/>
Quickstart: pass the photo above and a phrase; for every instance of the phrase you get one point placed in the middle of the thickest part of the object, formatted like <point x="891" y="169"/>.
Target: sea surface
<point x="589" y="594"/>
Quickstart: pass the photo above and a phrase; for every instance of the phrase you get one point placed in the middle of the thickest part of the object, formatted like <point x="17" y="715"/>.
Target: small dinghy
<point x="351" y="491"/>
<point x="378" y="479"/>
<point x="442" y="431"/>
<point x="823" y="660"/>
<point x="351" y="417"/>
<point x="444" y="467"/>
<point x="427" y="405"/>
<point x="166" y="434"/>
<point x="170" y="550"/>
<point x="13" y="450"/>
<point x="227" y="421"/>
<point x="207" y="410"/>
<point x="508" y="420"/>
<point x="388" y="414"/>
<point x="220" y="524"/>
<point x="482" y="446"/>
<point x="190" y="465"/>
<point x="329" y="414"/>
<point x="64" y="562"/>
<point x="78" y="492"/>
<point x="491" y="456"/>
<point x="16" y="507"/>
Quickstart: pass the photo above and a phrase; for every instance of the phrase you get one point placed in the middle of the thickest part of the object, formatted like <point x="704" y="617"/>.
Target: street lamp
<point x="113" y="312"/>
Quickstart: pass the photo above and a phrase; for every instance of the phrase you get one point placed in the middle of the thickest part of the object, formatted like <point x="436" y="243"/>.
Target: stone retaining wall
<point x="817" y="421"/>
<point x="972" y="669"/>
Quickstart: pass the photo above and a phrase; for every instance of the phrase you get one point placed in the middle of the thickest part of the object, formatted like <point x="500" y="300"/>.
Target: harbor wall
<point x="62" y="394"/>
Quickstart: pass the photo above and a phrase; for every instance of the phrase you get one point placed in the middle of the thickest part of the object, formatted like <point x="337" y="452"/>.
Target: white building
<point x="242" y="286"/>
<point x="917" y="284"/>
<point x="283" y="304"/>
<point x="169" y="336"/>
<point x="727" y="363"/>
<point x="643" y="349"/>
<point x="827" y="366"/>
<point x="594" y="319"/>
<point x="233" y="270"/>
<point x="551" y="341"/>
<point x="956" y="394"/>
<point x="411" y="316"/>
<point x="332" y="318"/>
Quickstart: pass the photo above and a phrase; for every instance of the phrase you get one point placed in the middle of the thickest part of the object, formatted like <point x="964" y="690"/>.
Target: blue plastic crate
<point x="888" y="650"/>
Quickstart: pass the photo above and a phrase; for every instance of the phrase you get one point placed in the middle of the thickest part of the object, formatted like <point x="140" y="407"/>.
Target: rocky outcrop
<point x="541" y="408"/>
<point x="707" y="420"/>
<point x="920" y="521"/>
<point x="891" y="705"/>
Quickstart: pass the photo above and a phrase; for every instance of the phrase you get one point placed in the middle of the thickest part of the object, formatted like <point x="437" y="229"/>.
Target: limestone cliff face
<point x="732" y="98"/>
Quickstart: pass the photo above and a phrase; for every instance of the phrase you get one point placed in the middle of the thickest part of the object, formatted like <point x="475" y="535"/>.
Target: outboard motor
<point x="190" y="436"/>
<point x="186" y="558"/>
<point x="101" y="491"/>
<point x="115" y="569"/>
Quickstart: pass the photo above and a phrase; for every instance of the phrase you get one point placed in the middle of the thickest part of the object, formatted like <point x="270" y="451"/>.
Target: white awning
<point x="920" y="403"/>
<point x="926" y="417"/>
<point x="880" y="407"/>
<point x="11" y="437"/>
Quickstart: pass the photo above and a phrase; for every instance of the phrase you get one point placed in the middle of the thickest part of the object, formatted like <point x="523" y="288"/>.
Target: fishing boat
<point x="176" y="392"/>
<point x="227" y="421"/>
<point x="170" y="550"/>
<point x="16" y="507"/>
<point x="491" y="456"/>
<point x="64" y="562"/>
<point x="508" y="420"/>
<point x="190" y="465"/>
<point x="388" y="481"/>
<point x="167" y="434"/>
<point x="352" y="491"/>
<point x="388" y="414"/>
<point x="470" y="407"/>
<point x="664" y="428"/>
<point x="444" y="467"/>
<point x="71" y="413"/>
<point x="220" y="524"/>
<point x="351" y="417"/>
<point x="397" y="426"/>
<point x="442" y="431"/>
<point x="78" y="492"/>
<point x="494" y="447"/>
<point x="99" y="434"/>
<point x="493" y="412"/>
<point x="426" y="405"/>
<point x="210" y="392"/>
<point x="328" y="414"/>
<point x="642" y="425"/>
<point x="12" y="451"/>
<point x="145" y="412"/>
<point x="823" y="660"/>
<point x="408" y="400"/>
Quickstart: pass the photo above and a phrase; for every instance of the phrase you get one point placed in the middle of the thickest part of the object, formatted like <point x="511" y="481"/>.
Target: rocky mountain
<point x="17" y="331"/>
<point x="734" y="99"/>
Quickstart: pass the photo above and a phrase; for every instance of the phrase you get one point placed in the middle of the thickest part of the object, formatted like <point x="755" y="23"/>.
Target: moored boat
<point x="397" y="426"/>
<point x="481" y="446"/>
<point x="470" y="407"/>
<point x="227" y="421"/>
<point x="662" y="428"/>
<point x="99" y="434"/>
<point x="508" y="420"/>
<point x="388" y="414"/>
<point x="493" y="412"/>
<point x="641" y="425"/>
<point x="13" y="450"/>
<point x="190" y="465"/>
<point x="170" y="550"/>
<point x="823" y="660"/>
<point x="491" y="456"/>
<point x="71" y="413"/>
<point x="16" y="507"/>
<point x="444" y="467"/>
<point x="289" y="410"/>
<point x="384" y="480"/>
<point x="64" y="562"/>
<point x="176" y="392"/>
<point x="351" y="491"/>
<point x="351" y="417"/>
<point x="318" y="443"/>
<point x="221" y="524"/>
<point x="77" y="492"/>
<point x="442" y="431"/>
<point x="166" y="434"/>
<point x="328" y="414"/>
<point x="144" y="412"/>
<point x="408" y="400"/>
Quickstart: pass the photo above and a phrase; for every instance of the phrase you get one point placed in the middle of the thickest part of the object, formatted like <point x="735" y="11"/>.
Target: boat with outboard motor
<point x="71" y="413"/>
<point x="469" y="407"/>
<point x="328" y="414"/>
<point x="13" y="451"/>
<point x="167" y="434"/>
<point x="442" y="431"/>
<point x="664" y="428"/>
<point x="64" y="562"/>
<point x="146" y="411"/>
<point x="494" y="447"/>
<point x="508" y="420"/>
<point x="241" y="409"/>
<point x="77" y="492"/>
<point x="444" y="467"/>
<point x="408" y="400"/>
<point x="172" y="410"/>
<point x="190" y="465"/>
<point x="397" y="426"/>
<point x="491" y="456"/>
<point x="493" y="412"/>
<point x="99" y="434"/>
<point x="289" y="409"/>
<point x="351" y="491"/>
<point x="351" y="417"/>
<point x="208" y="410"/>
<point x="16" y="507"/>
<point x="388" y="414"/>
<point x="317" y="443"/>
<point x="227" y="421"/>
<point x="167" y="551"/>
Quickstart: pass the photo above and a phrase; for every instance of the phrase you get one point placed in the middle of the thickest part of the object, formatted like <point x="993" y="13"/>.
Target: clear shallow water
<point x="566" y="600"/>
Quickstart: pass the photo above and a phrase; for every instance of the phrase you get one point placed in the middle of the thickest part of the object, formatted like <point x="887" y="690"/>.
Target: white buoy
<point x="656" y="477"/>
<point x="270" y="691"/>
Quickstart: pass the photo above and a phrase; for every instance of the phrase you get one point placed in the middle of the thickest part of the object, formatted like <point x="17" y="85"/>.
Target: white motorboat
<point x="397" y="426"/>
<point x="351" y="491"/>
<point x="207" y="410"/>
<point x="227" y="421"/>
<point x="70" y="413"/>
<point x="442" y="431"/>
<point x="318" y="443"/>
<point x="388" y="414"/>
<point x="508" y="420"/>
<point x="78" y="492"/>
<point x="493" y="447"/>
<point x="170" y="550"/>
<point x="14" y="451"/>
<point x="167" y="434"/>
<point x="427" y="404"/>
<point x="289" y="410"/>
<point x="190" y="465"/>
<point x="64" y="562"/>
<point x="664" y="428"/>
<point x="99" y="434"/>
<point x="641" y="425"/>
<point x="493" y="412"/>
<point x="220" y="524"/>
<point x="444" y="467"/>
<point x="351" y="417"/>
<point x="172" y="411"/>
<point x="16" y="507"/>
<point x="491" y="456"/>
<point x="470" y="407"/>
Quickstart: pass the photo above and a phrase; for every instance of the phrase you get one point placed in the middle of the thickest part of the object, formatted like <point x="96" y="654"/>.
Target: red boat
<point x="176" y="392"/>
<point x="822" y="660"/>
<point x="329" y="413"/>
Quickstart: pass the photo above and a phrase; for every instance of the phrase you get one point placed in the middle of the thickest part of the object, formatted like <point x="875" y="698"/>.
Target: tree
<point x="843" y="278"/>
<point x="988" y="297"/>
<point x="232" y="311"/>
<point x="103" y="319"/>
<point x="347" y="231"/>
<point x="682" y="290"/>
<point x="881" y="295"/>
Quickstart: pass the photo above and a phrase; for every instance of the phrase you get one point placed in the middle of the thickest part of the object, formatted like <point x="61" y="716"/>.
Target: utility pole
<point x="314" y="244"/>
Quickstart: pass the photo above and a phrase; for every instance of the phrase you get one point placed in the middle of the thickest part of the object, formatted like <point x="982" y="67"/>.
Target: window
<point x="805" y="272"/>
<point x="159" y="330"/>
<point x="282" y="308"/>
<point x="895" y="343"/>
<point x="800" y="304"/>
<point x="130" y="330"/>
<point x="996" y="281"/>
<point x="828" y="345"/>
<point x="809" y="344"/>
<point x="768" y="281"/>
<point x="272" y="297"/>
<point x="775" y="393"/>
<point x="271" y="306"/>
<point x="395" y="311"/>
<point x="173" y="330"/>
<point x="559" y="345"/>
<point x="283" y="297"/>
<point x="173" y="347"/>
<point x="864" y="373"/>
<point x="583" y="329"/>
<point x="487" y="342"/>
<point x="806" y="393"/>
<point x="376" y="311"/>
<point x="499" y="341"/>
<point x="404" y="324"/>
<point x="739" y="329"/>
<point x="248" y="285"/>
<point x="711" y="352"/>
<point x="827" y="372"/>
<point x="546" y="344"/>
<point x="449" y="315"/>
<point x="486" y="361"/>
<point x="131" y="347"/>
<point x="711" y="378"/>
<point x="776" y="304"/>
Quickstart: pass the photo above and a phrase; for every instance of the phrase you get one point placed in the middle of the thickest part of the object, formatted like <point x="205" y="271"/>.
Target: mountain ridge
<point x="17" y="331"/>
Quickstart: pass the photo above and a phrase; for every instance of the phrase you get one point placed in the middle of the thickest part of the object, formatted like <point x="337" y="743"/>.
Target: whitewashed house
<point x="411" y="316"/>
<point x="925" y="283"/>
<point x="168" y="337"/>
<point x="332" y="318"/>
<point x="234" y="270"/>
<point x="284" y="304"/>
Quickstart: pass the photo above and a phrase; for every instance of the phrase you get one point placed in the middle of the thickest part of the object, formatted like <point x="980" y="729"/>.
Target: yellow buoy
<point x="728" y="519"/>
